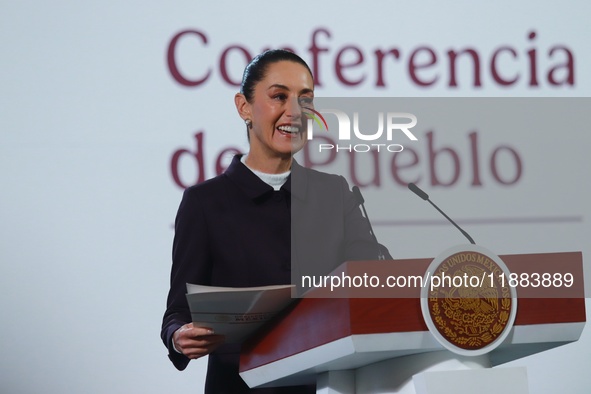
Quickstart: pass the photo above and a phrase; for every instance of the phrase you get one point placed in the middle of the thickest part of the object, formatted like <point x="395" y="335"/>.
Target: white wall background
<point x="89" y="117"/>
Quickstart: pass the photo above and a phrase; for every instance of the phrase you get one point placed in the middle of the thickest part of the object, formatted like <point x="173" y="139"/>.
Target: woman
<point x="236" y="229"/>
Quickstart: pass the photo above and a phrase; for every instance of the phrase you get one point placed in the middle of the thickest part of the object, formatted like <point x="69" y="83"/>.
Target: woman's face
<point x="278" y="123"/>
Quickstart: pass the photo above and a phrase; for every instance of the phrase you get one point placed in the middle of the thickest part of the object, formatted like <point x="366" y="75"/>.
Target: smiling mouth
<point x="290" y="129"/>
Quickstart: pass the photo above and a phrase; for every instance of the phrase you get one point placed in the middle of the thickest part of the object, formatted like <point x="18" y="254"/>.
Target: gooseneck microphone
<point x="361" y="201"/>
<point x="416" y="190"/>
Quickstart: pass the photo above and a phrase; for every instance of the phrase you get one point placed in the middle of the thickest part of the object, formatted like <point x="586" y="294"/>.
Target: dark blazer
<point x="235" y="230"/>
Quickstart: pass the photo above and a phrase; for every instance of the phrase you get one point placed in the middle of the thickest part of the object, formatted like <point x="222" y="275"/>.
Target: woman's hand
<point x="195" y="342"/>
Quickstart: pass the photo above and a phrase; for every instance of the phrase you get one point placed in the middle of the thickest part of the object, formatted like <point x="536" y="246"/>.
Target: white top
<point x="273" y="180"/>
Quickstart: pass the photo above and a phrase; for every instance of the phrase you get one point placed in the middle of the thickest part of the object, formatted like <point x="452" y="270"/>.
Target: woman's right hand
<point x="195" y="342"/>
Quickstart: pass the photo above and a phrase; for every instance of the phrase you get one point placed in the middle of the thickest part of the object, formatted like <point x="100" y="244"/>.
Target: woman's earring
<point x="248" y="123"/>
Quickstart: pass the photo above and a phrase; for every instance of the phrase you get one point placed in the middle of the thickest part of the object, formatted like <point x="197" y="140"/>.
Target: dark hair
<point x="256" y="69"/>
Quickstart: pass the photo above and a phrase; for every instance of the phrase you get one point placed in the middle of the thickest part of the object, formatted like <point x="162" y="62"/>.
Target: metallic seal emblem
<point x="466" y="304"/>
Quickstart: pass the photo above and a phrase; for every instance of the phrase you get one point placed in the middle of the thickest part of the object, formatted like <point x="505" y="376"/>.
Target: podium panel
<point x="318" y="335"/>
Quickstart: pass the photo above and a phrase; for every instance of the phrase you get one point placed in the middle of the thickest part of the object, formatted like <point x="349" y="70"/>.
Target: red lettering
<point x="340" y="64"/>
<point x="569" y="66"/>
<point x="414" y="65"/>
<point x="348" y="63"/>
<point x="376" y="168"/>
<point x="380" y="64"/>
<point x="223" y="64"/>
<point x="219" y="167"/>
<point x="493" y="67"/>
<point x="475" y="166"/>
<point x="452" y="66"/>
<point x="494" y="165"/>
<point x="533" y="72"/>
<point x="433" y="157"/>
<point x="171" y="58"/>
<point x="315" y="51"/>
<point x="197" y="155"/>
<point x="396" y="166"/>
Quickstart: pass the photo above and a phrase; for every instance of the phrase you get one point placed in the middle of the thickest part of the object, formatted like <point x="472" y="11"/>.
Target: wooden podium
<point x="382" y="345"/>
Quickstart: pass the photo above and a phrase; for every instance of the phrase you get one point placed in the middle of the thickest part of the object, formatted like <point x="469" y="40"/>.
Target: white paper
<point x="236" y="312"/>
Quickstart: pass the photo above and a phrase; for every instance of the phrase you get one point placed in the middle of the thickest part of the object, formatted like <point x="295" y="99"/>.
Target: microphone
<point x="416" y="190"/>
<point x="360" y="201"/>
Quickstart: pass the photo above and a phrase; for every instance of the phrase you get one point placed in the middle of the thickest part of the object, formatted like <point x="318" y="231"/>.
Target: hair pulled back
<point x="256" y="69"/>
